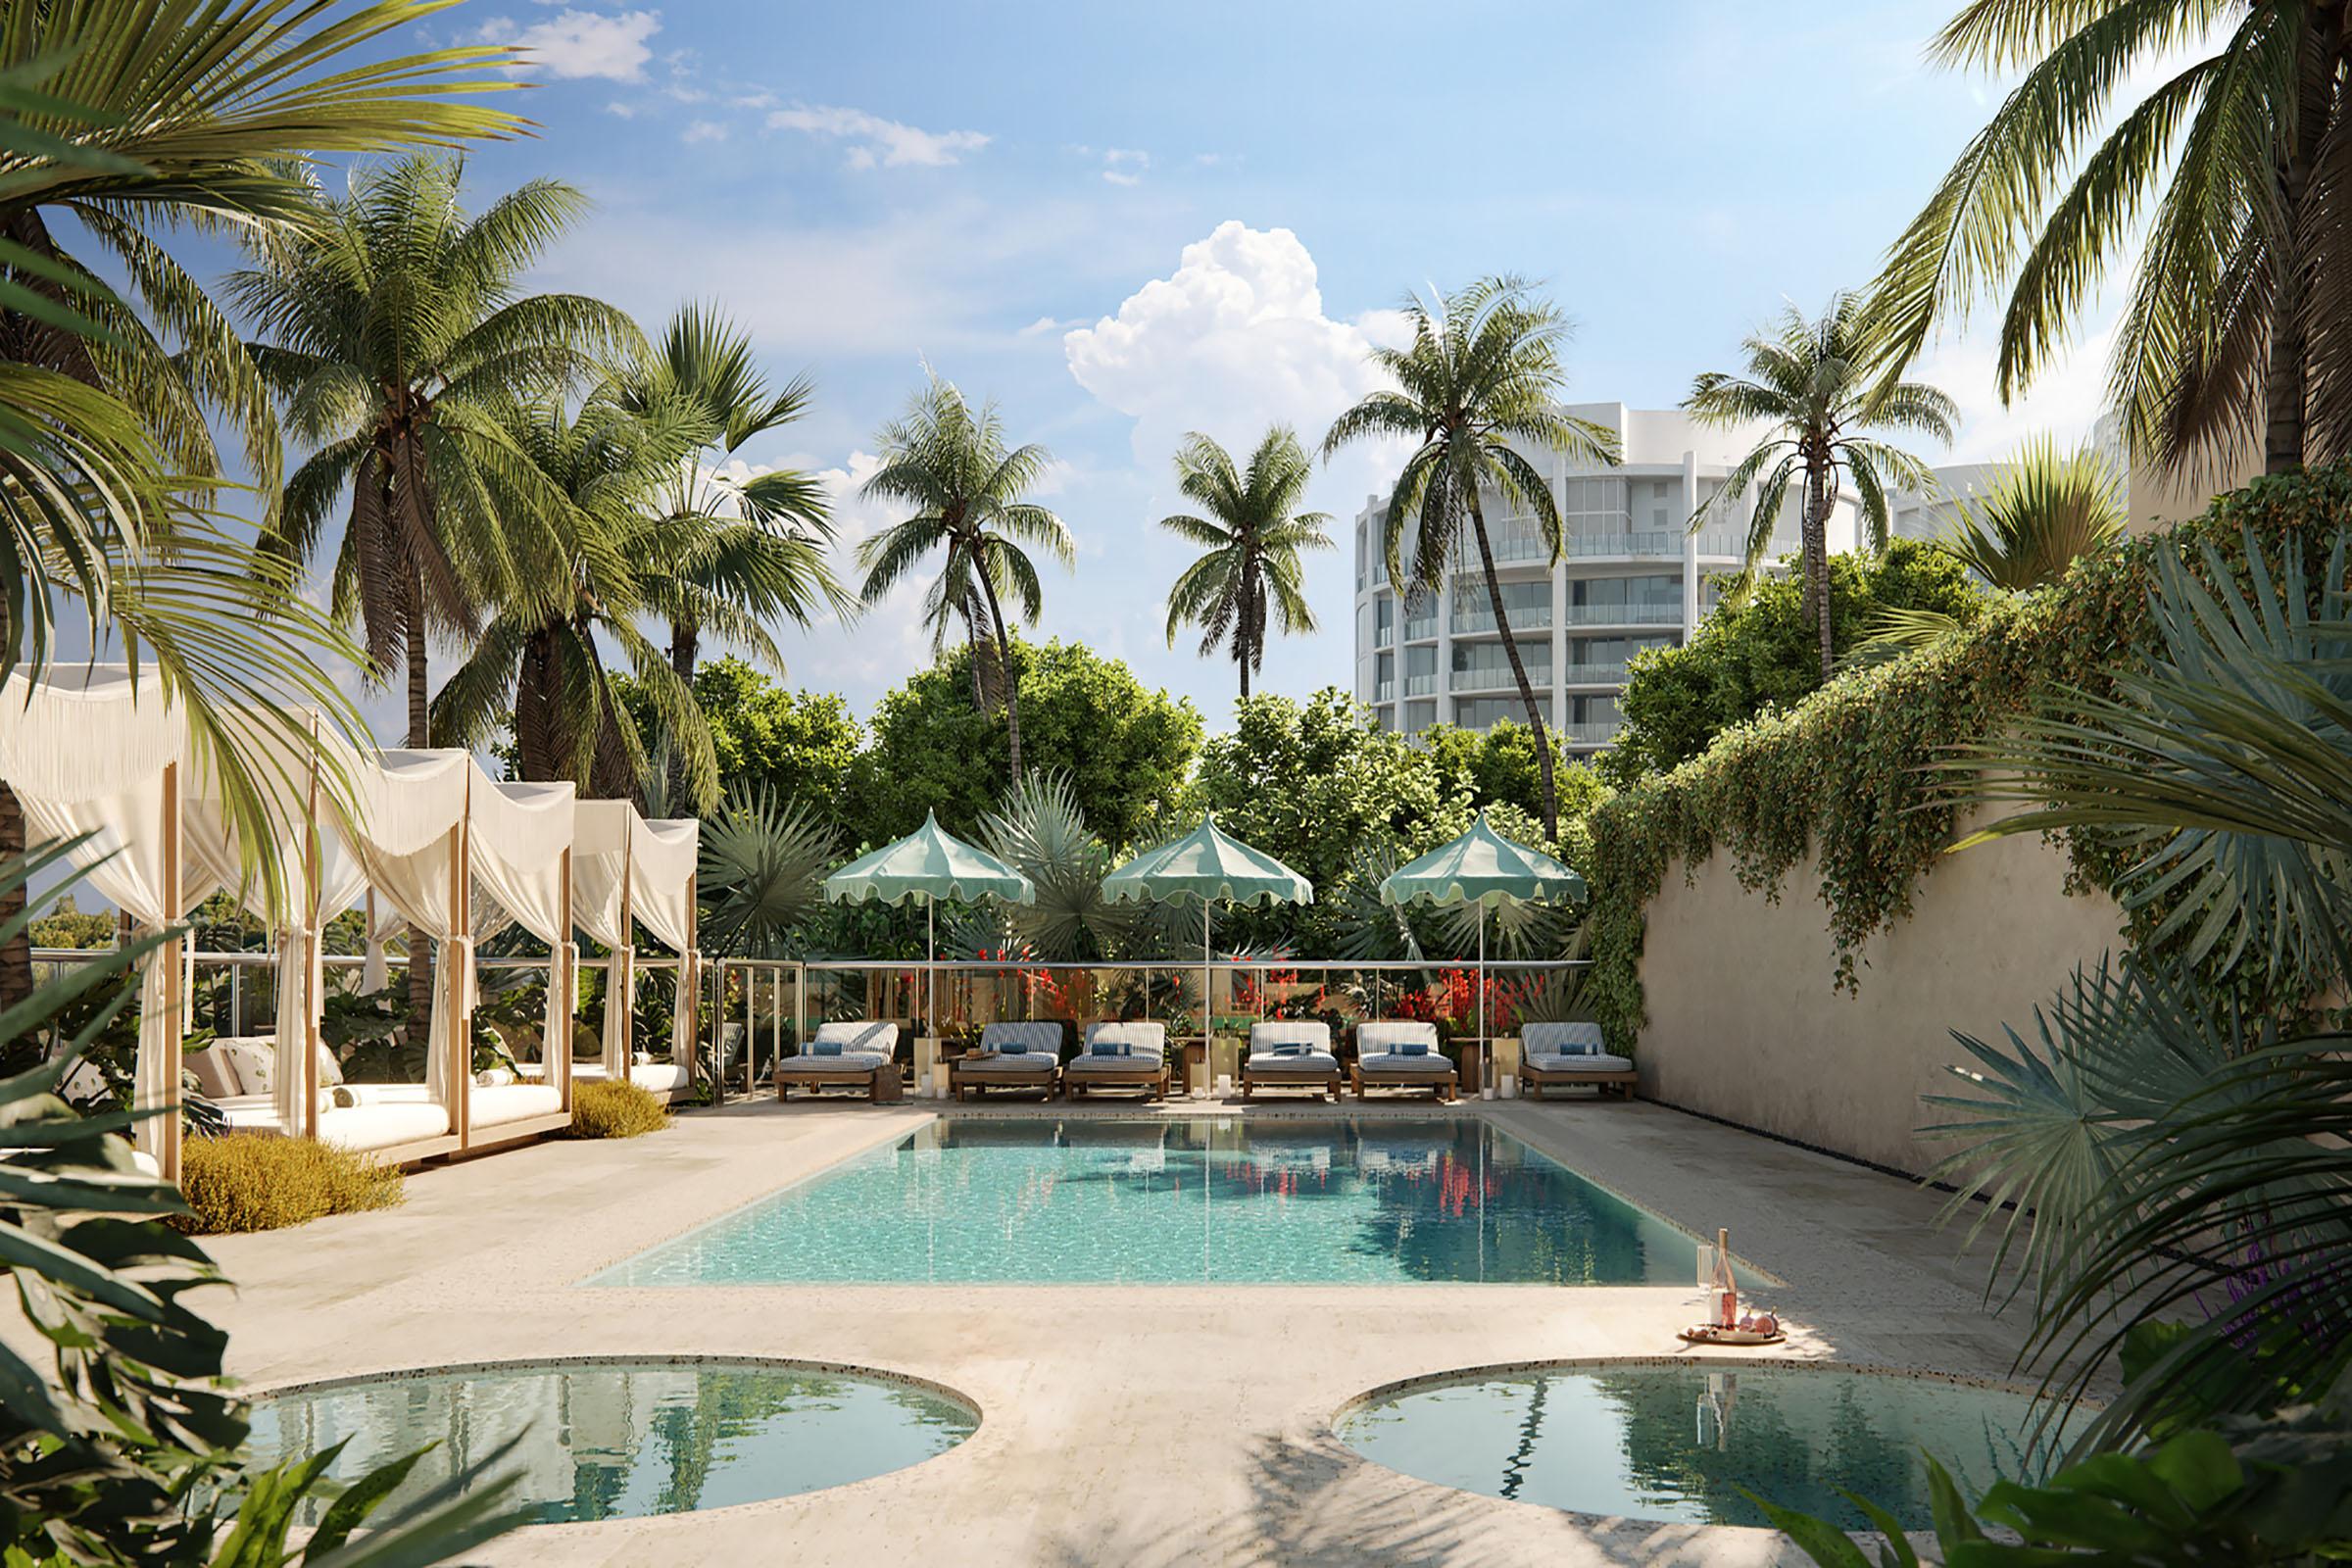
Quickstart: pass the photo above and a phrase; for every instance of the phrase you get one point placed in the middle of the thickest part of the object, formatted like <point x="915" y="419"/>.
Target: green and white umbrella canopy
<point x="928" y="864"/>
<point x="1485" y="869"/>
<point x="1207" y="865"/>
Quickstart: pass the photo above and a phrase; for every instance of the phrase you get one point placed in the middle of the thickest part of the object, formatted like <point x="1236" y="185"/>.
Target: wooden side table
<point x="1474" y="1063"/>
<point x="1195" y="1056"/>
<point x="889" y="1088"/>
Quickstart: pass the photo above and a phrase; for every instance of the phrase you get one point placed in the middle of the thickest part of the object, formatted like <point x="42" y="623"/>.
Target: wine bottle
<point x="1727" y="1291"/>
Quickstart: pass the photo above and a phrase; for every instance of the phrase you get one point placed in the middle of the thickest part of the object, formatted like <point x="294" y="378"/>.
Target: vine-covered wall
<point x="1845" y="774"/>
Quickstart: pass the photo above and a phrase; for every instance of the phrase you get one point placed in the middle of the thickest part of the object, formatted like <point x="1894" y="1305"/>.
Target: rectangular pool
<point x="1165" y="1200"/>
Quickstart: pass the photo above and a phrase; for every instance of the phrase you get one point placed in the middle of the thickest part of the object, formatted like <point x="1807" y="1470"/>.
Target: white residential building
<point x="1632" y="576"/>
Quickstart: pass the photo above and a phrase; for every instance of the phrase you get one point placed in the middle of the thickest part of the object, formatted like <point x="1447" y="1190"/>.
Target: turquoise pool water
<point x="1184" y="1200"/>
<point x="622" y="1439"/>
<point x="1677" y="1443"/>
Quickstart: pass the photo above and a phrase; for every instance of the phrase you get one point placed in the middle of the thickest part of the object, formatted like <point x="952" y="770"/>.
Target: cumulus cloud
<point x="875" y="140"/>
<point x="1233" y="340"/>
<point x="582" y="43"/>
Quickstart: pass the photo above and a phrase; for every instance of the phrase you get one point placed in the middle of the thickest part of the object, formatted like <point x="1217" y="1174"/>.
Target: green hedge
<point x="1842" y="771"/>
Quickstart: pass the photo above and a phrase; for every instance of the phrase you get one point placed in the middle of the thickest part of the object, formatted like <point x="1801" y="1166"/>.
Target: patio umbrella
<point x="1485" y="869"/>
<point x="930" y="863"/>
<point x="1213" y="867"/>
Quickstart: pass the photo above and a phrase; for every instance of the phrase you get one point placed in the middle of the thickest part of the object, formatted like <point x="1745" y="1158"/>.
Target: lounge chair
<point x="1293" y="1053"/>
<point x="850" y="1054"/>
<point x="1558" y="1055"/>
<point x="1013" y="1056"/>
<point x="1400" y="1054"/>
<point x="1119" y="1055"/>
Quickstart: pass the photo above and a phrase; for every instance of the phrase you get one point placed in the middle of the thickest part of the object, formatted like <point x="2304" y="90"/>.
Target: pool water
<point x="1677" y="1443"/>
<point x="1185" y="1201"/>
<point x="619" y="1440"/>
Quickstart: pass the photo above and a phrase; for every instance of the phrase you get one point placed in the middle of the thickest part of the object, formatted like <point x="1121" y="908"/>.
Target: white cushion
<point x="846" y="1061"/>
<point x="1141" y="1063"/>
<point x="1383" y="1035"/>
<point x="1143" y="1039"/>
<point x="1295" y="1062"/>
<point x="489" y="1108"/>
<point x="856" y="1034"/>
<point x="1008" y="1064"/>
<point x="379" y="1126"/>
<point x="1390" y="1061"/>
<point x="1557" y="1066"/>
<point x="1312" y="1033"/>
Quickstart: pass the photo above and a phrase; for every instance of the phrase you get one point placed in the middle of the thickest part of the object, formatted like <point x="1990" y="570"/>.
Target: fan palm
<point x="706" y="361"/>
<point x="763" y="865"/>
<point x="1040" y="831"/>
<point x="622" y="558"/>
<point x="2228" y="181"/>
<point x="2178" y="1158"/>
<point x="1810" y="384"/>
<point x="949" y="461"/>
<point x="2048" y="510"/>
<point x="1476" y="384"/>
<point x="1253" y="539"/>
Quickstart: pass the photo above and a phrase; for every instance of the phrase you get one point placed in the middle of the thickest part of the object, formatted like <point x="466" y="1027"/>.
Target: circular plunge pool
<point x="622" y="1439"/>
<point x="1677" y="1442"/>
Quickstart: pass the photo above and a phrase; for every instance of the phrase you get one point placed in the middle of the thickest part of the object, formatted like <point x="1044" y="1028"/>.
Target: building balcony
<point x="1473" y="623"/>
<point x="1383" y="690"/>
<point x="1593" y="674"/>
<point x="1499" y="678"/>
<point x="1420" y="685"/>
<point x="1591" y="732"/>
<point x="1666" y="543"/>
<point x="1625" y="615"/>
<point x="1420" y="628"/>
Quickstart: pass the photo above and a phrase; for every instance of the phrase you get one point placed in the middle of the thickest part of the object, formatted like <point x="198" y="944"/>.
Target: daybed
<point x="1400" y="1054"/>
<point x="1290" y="1053"/>
<point x="1120" y="1055"/>
<point x="848" y="1055"/>
<point x="1013" y="1056"/>
<point x="1560" y="1055"/>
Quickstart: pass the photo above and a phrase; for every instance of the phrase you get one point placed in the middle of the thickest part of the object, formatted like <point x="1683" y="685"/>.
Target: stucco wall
<point x="1745" y="1022"/>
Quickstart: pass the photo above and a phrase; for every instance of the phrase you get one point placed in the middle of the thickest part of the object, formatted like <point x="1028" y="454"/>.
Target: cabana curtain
<point x="520" y="833"/>
<point x="664" y="853"/>
<point x="599" y="878"/>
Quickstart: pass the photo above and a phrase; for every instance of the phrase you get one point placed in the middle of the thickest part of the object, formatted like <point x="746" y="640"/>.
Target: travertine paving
<point x="1130" y="1425"/>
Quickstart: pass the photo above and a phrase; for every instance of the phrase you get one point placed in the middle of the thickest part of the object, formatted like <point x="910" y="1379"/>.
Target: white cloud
<point x="1234" y="340"/>
<point x="1125" y="166"/>
<point x="582" y="43"/>
<point x="704" y="131"/>
<point x="620" y="110"/>
<point x="875" y="140"/>
<point x="2064" y="403"/>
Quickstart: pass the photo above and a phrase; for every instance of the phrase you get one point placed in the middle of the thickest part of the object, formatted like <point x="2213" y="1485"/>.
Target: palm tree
<point x="2047" y="511"/>
<point x="2225" y="182"/>
<point x="624" y="558"/>
<point x="707" y="359"/>
<point x="390" y="332"/>
<point x="1478" y="383"/>
<point x="949" y="461"/>
<point x="1809" y="384"/>
<point x="132" y="116"/>
<point x="1253" y="539"/>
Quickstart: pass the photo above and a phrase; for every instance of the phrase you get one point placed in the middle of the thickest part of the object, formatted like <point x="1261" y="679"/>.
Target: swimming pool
<point x="1677" y="1443"/>
<point x="619" y="1440"/>
<point x="1173" y="1200"/>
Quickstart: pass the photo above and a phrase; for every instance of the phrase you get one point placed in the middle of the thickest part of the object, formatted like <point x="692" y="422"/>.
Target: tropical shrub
<point x="1846" y="774"/>
<point x="237" y="1184"/>
<point x="613" y="1109"/>
<point x="1759" y="653"/>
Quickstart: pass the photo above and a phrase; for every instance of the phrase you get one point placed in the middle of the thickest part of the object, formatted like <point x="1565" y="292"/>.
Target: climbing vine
<point x="1844" y="771"/>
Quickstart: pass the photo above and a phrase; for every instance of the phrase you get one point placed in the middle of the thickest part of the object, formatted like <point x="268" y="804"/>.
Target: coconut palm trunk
<point x="1510" y="651"/>
<point x="16" y="956"/>
<point x="1011" y="678"/>
<point x="420" y="735"/>
<point x="2285" y="394"/>
<point x="1817" y="557"/>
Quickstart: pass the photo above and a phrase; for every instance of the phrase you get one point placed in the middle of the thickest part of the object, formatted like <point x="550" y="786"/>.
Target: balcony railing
<point x="1418" y="627"/>
<point x="1420" y="685"/>
<point x="1591" y="732"/>
<point x="1625" y="615"/>
<point x="1603" y="674"/>
<point x="1499" y="677"/>
<point x="1383" y="690"/>
<point x="1666" y="542"/>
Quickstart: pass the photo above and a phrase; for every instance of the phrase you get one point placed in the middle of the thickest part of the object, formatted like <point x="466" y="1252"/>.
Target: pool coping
<point x="1145" y="1113"/>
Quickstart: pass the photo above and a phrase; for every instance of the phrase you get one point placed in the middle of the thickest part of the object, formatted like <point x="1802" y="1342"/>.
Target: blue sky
<point x="1127" y="221"/>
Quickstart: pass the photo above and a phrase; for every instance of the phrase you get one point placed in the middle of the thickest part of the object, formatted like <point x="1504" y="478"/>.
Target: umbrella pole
<point x="931" y="967"/>
<point x="1482" y="976"/>
<point x="1205" y="1054"/>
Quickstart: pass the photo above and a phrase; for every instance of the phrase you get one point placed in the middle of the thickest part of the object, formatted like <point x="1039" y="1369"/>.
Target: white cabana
<point x="520" y="844"/>
<point x="628" y="870"/>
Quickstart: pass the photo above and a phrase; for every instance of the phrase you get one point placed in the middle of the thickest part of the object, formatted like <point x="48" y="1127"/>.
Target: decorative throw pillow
<point x="494" y="1077"/>
<point x="255" y="1066"/>
<point x="1109" y="1046"/>
<point x="1411" y="1048"/>
<point x="824" y="1048"/>
<point x="331" y="1071"/>
<point x="216" y="1076"/>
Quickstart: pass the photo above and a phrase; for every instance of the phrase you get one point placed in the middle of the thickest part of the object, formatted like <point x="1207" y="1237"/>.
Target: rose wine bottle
<point x="1727" y="1292"/>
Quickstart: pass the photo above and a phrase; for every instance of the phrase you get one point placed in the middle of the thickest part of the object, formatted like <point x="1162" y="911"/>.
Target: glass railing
<point x="1591" y="732"/>
<point x="1666" y="542"/>
<point x="1625" y="615"/>
<point x="1383" y="690"/>
<point x="1469" y="618"/>
<point x="1418" y="627"/>
<point x="1420" y="685"/>
<point x="1602" y="675"/>
<point x="1499" y="677"/>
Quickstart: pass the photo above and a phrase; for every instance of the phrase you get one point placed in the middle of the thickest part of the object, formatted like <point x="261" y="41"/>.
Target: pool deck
<point x="1148" y="1426"/>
